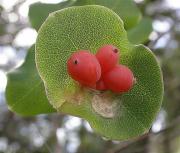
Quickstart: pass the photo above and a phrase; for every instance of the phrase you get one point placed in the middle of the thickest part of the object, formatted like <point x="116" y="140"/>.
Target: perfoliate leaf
<point x="25" y="91"/>
<point x="115" y="116"/>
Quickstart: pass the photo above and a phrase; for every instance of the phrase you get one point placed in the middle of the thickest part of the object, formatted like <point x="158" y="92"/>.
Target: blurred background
<point x="56" y="133"/>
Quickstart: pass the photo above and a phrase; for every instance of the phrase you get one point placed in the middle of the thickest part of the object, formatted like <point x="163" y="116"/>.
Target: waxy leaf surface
<point x="115" y="116"/>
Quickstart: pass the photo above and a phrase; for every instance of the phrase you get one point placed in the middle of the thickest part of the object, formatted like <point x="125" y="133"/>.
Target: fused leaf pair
<point x="116" y="116"/>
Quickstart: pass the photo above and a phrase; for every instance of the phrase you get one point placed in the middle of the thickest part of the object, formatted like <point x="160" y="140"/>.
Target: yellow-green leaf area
<point x="115" y="116"/>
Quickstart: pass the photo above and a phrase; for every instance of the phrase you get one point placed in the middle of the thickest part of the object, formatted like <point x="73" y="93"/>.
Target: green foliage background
<point x="88" y="27"/>
<point x="168" y="56"/>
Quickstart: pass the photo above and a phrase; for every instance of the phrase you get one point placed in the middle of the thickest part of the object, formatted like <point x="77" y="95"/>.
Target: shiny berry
<point x="119" y="79"/>
<point x="100" y="85"/>
<point x="108" y="57"/>
<point x="84" y="67"/>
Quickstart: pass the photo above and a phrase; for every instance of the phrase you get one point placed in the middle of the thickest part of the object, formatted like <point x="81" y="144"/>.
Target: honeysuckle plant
<point x="46" y="87"/>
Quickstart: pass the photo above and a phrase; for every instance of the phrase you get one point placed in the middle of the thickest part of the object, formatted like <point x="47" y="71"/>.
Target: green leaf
<point x="2" y="29"/>
<point x="141" y="32"/>
<point x="115" y="116"/>
<point x="38" y="12"/>
<point x="126" y="9"/>
<point x="25" y="91"/>
<point x="2" y="23"/>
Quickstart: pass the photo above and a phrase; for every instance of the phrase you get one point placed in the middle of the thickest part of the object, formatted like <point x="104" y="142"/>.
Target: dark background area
<point x="56" y="133"/>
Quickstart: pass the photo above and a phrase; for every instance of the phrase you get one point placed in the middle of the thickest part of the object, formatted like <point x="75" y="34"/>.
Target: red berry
<point x="100" y="85"/>
<point x="84" y="67"/>
<point x="108" y="57"/>
<point x="119" y="79"/>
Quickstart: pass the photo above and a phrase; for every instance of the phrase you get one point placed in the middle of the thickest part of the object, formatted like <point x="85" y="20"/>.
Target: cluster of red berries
<point x="100" y="71"/>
